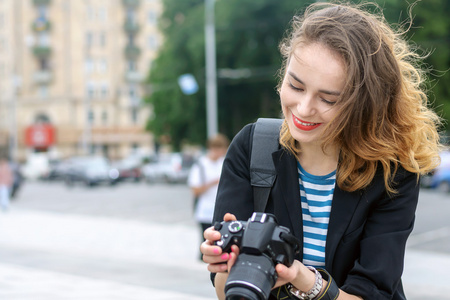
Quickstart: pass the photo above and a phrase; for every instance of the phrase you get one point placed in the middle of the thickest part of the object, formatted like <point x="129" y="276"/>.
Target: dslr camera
<point x="263" y="244"/>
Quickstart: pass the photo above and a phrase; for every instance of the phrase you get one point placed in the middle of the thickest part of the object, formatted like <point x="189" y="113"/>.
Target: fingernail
<point x="216" y="251"/>
<point x="224" y="256"/>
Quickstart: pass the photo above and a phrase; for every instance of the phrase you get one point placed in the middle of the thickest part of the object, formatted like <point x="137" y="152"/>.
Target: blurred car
<point x="57" y="170"/>
<point x="129" y="168"/>
<point x="439" y="178"/>
<point x="89" y="170"/>
<point x="36" y="166"/>
<point x="168" y="168"/>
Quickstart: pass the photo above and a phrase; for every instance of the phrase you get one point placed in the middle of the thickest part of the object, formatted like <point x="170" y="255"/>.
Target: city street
<point x="139" y="241"/>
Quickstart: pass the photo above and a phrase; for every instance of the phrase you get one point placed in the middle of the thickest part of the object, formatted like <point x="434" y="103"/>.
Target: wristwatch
<point x="313" y="292"/>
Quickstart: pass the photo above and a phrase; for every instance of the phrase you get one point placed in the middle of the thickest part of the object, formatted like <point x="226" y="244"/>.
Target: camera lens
<point x="252" y="277"/>
<point x="240" y="293"/>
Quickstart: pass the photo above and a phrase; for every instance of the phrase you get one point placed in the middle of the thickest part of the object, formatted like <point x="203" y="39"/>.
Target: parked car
<point x="440" y="177"/>
<point x="169" y="168"/>
<point x="37" y="166"/>
<point x="57" y="170"/>
<point x="89" y="170"/>
<point x="129" y="168"/>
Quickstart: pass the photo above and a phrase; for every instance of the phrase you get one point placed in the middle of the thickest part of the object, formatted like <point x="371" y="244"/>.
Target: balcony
<point x="131" y="3"/>
<point x="132" y="51"/>
<point x="42" y="77"/>
<point x="133" y="77"/>
<point x="42" y="51"/>
<point x="41" y="25"/>
<point x="131" y="26"/>
<point x="41" y="2"/>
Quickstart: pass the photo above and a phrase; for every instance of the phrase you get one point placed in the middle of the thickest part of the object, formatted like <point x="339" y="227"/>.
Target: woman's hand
<point x="286" y="275"/>
<point x="212" y="255"/>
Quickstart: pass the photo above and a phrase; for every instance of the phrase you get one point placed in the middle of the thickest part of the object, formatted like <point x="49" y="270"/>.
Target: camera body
<point x="263" y="244"/>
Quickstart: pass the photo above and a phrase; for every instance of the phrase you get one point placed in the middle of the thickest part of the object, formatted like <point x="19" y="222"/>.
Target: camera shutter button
<point x="217" y="226"/>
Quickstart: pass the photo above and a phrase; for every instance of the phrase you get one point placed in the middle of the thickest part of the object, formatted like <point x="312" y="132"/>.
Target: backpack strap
<point x="262" y="170"/>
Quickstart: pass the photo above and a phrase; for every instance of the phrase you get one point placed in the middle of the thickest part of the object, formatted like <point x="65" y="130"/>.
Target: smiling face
<point x="314" y="80"/>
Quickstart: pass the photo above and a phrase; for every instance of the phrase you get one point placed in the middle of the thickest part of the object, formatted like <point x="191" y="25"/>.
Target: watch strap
<point x="313" y="292"/>
<point x="331" y="291"/>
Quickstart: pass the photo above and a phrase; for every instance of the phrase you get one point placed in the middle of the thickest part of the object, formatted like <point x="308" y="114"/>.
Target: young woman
<point x="357" y="135"/>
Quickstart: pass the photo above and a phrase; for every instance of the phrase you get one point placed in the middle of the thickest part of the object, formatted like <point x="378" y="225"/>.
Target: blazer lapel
<point x="342" y="209"/>
<point x="287" y="177"/>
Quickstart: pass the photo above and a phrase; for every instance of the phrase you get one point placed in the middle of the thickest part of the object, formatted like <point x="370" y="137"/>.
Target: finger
<point x="207" y="248"/>
<point x="229" y="217"/>
<point x="217" y="268"/>
<point x="211" y="234"/>
<point x="282" y="271"/>
<point x="231" y="261"/>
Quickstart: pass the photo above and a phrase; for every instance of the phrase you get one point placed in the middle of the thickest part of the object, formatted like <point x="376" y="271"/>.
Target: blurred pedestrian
<point x="204" y="178"/>
<point x="356" y="136"/>
<point x="17" y="179"/>
<point x="6" y="181"/>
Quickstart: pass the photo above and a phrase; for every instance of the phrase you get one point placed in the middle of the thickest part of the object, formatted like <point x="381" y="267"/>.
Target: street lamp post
<point x="211" y="76"/>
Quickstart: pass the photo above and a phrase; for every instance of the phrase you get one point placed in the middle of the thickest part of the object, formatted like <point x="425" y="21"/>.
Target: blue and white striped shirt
<point x="316" y="194"/>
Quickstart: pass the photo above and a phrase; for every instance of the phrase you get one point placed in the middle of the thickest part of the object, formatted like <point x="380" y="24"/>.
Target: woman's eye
<point x="294" y="87"/>
<point x="328" y="102"/>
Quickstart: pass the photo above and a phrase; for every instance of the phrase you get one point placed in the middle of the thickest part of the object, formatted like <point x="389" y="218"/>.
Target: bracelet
<point x="331" y="291"/>
<point x="313" y="292"/>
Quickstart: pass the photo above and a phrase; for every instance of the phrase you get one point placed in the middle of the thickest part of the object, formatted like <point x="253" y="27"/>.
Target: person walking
<point x="356" y="136"/>
<point x="6" y="181"/>
<point x="204" y="179"/>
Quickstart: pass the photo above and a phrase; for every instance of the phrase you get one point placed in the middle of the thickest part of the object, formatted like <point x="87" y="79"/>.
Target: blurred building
<point x="71" y="74"/>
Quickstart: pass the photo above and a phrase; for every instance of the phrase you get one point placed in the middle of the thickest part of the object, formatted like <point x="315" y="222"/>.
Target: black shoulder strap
<point x="262" y="170"/>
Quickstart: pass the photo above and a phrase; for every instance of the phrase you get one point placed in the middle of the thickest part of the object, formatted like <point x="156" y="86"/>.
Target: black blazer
<point x="367" y="230"/>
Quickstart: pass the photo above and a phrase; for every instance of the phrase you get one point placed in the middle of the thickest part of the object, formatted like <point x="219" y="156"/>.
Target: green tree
<point x="247" y="36"/>
<point x="430" y="31"/>
<point x="176" y="116"/>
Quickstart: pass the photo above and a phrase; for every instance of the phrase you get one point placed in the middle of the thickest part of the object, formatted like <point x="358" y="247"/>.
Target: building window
<point x="89" y="65"/>
<point x="132" y="65"/>
<point x="90" y="92"/>
<point x="43" y="91"/>
<point x="91" y="116"/>
<point x="104" y="91"/>
<point x="42" y="11"/>
<point x="105" y="117"/>
<point x="134" y="115"/>
<point x="90" y="13"/>
<point x="102" y="14"/>
<point x="152" y="42"/>
<point x="89" y="39"/>
<point x="102" y="65"/>
<point x="102" y="39"/>
<point x="3" y="45"/>
<point x="152" y="17"/>
<point x="43" y="39"/>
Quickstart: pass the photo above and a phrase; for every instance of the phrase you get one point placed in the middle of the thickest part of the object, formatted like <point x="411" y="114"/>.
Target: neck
<point x="318" y="161"/>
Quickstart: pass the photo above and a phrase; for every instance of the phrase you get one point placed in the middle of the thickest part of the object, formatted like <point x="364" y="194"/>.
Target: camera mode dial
<point x="235" y="226"/>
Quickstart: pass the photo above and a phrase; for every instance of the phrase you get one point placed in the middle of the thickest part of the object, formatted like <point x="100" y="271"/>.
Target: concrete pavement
<point x="46" y="255"/>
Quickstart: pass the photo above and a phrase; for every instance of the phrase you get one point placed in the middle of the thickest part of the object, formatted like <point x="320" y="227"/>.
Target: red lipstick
<point x="303" y="125"/>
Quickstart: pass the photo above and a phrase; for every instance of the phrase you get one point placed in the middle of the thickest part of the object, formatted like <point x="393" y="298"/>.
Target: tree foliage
<point x="247" y="36"/>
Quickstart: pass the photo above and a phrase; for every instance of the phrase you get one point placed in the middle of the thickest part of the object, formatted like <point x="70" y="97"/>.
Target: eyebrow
<point x="333" y="93"/>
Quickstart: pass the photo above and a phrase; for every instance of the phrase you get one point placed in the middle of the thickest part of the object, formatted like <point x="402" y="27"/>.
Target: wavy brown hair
<point x="383" y="116"/>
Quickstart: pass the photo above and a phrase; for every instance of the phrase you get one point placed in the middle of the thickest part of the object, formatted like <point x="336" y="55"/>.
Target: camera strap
<point x="262" y="170"/>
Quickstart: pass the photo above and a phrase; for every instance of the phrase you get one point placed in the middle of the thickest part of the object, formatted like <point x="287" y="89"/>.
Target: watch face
<point x="235" y="226"/>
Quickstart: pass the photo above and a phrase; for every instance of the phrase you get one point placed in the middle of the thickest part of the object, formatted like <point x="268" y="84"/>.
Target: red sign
<point x="40" y="135"/>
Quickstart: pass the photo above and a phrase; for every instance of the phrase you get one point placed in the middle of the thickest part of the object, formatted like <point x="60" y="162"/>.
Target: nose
<point x="306" y="106"/>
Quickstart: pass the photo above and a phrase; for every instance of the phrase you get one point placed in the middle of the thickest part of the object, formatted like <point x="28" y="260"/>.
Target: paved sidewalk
<point x="50" y="256"/>
<point x="59" y="256"/>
